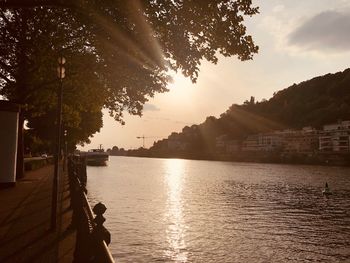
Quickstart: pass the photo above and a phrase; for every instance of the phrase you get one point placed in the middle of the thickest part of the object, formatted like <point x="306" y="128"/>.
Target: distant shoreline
<point x="275" y="158"/>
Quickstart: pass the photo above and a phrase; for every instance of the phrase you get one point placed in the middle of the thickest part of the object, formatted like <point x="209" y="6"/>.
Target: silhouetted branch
<point x="5" y="66"/>
<point x="4" y="17"/>
<point x="5" y="78"/>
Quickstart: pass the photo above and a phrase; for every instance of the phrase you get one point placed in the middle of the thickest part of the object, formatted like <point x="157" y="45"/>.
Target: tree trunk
<point x="20" y="98"/>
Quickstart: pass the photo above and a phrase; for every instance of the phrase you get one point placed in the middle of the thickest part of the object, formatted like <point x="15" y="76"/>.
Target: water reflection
<point x="174" y="179"/>
<point x="196" y="211"/>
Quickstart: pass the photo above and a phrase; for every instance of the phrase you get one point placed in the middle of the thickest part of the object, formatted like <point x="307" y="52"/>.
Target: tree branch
<point x="3" y="16"/>
<point x="5" y="66"/>
<point x="5" y="78"/>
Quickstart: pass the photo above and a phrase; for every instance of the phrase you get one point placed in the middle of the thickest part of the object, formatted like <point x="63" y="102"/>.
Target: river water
<point x="173" y="210"/>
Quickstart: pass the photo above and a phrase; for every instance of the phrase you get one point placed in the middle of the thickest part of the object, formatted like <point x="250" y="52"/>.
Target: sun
<point x="181" y="89"/>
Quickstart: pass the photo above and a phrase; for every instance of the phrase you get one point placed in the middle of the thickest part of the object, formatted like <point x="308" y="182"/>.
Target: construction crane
<point x="143" y="137"/>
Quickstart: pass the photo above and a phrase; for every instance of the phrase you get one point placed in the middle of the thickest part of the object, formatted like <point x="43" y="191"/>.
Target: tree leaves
<point x="118" y="53"/>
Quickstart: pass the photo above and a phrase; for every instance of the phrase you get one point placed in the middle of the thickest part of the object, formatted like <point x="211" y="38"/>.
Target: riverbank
<point x="258" y="157"/>
<point x="25" y="220"/>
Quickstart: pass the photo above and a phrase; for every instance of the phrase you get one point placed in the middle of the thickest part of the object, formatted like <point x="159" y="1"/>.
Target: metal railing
<point x="92" y="238"/>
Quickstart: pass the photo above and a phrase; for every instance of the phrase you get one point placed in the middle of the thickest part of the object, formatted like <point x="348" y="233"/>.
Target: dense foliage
<point x="118" y="53"/>
<point x="315" y="102"/>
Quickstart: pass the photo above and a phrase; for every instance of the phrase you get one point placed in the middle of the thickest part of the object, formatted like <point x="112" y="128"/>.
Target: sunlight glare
<point x="175" y="171"/>
<point x="181" y="90"/>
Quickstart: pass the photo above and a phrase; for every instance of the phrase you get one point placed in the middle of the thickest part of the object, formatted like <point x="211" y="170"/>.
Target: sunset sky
<point x="298" y="40"/>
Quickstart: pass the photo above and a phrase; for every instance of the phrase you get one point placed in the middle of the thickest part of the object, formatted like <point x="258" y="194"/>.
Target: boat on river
<point x="97" y="157"/>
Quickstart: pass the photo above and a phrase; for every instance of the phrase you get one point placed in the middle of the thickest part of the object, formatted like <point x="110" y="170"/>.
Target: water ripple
<point x="173" y="210"/>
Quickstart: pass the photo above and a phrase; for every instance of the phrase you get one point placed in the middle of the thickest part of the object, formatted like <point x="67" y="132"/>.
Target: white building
<point x="335" y="137"/>
<point x="263" y="142"/>
<point x="301" y="141"/>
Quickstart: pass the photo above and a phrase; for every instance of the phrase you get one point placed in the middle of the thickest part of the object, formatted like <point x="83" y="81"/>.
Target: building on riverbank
<point x="335" y="137"/>
<point x="329" y="145"/>
<point x="224" y="144"/>
<point x="266" y="142"/>
<point x="304" y="141"/>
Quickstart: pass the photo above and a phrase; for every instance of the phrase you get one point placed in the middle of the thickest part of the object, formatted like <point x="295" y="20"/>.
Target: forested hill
<point x="314" y="102"/>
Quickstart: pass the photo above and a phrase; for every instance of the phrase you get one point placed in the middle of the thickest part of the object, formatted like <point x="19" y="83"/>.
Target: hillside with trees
<point x="314" y="102"/>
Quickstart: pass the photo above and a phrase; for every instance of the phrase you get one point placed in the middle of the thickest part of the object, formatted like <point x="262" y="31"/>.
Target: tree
<point x="129" y="47"/>
<point x="29" y="66"/>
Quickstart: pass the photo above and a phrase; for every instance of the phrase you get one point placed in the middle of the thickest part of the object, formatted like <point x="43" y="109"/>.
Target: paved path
<point x="25" y="221"/>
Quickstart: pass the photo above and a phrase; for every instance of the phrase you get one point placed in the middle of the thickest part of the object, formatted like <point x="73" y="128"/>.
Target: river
<point x="174" y="210"/>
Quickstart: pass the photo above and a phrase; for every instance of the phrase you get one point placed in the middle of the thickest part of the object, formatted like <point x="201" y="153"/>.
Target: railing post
<point x="82" y="170"/>
<point x="100" y="234"/>
<point x="73" y="190"/>
<point x="79" y="218"/>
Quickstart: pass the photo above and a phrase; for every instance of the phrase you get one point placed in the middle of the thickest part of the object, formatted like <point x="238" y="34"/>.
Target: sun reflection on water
<point x="174" y="177"/>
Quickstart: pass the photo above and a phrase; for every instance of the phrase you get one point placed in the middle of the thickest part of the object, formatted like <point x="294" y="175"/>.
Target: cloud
<point x="278" y="8"/>
<point x="326" y="31"/>
<point x="150" y="107"/>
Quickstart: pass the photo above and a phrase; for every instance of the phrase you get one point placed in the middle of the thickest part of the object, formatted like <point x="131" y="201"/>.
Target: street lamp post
<point x="60" y="75"/>
<point x="65" y="150"/>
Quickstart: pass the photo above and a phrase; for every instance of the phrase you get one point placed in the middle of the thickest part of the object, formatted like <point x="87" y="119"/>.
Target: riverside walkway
<point x="25" y="234"/>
